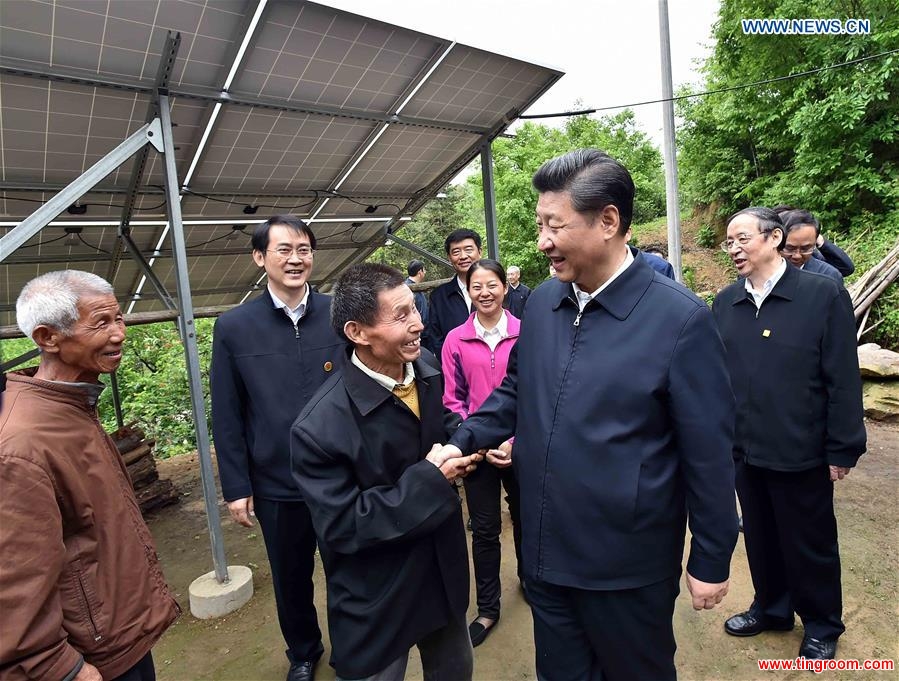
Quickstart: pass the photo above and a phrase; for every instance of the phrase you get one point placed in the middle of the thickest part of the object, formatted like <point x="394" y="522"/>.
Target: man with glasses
<point x="791" y="351"/>
<point x="803" y="230"/>
<point x="450" y="303"/>
<point x="269" y="356"/>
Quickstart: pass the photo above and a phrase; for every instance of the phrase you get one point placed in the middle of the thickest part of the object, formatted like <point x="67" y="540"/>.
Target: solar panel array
<point x="338" y="118"/>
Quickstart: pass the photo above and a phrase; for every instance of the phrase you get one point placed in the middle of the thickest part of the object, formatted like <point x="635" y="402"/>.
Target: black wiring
<point x="85" y="205"/>
<point x="711" y="92"/>
<point x="96" y="248"/>
<point x="219" y="238"/>
<point x="41" y="243"/>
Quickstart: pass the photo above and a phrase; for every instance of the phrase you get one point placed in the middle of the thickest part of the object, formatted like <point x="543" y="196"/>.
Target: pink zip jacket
<point x="470" y="369"/>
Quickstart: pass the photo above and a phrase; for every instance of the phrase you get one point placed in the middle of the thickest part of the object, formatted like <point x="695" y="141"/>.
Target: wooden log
<point x="138" y="453"/>
<point x="160" y="493"/>
<point x="143" y="472"/>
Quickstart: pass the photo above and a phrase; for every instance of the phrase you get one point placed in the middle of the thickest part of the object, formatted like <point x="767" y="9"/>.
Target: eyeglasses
<point x="284" y="252"/>
<point x="801" y="250"/>
<point x="741" y="239"/>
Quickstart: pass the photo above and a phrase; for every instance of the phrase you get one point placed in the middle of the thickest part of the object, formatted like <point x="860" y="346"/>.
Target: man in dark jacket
<point x="388" y="520"/>
<point x="622" y="412"/>
<point x="417" y="273"/>
<point x="802" y="230"/>
<point x="269" y="356"/>
<point x="450" y="304"/>
<point x="518" y="293"/>
<point x="82" y="596"/>
<point x="791" y="350"/>
<point x="825" y="251"/>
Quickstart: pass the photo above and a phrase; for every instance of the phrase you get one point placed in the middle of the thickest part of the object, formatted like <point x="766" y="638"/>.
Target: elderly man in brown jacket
<point x="82" y="596"/>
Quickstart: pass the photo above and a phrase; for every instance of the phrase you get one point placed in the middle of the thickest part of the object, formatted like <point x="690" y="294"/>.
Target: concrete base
<point x="209" y="599"/>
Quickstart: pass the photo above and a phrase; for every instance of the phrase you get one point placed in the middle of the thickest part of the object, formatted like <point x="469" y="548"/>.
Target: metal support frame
<point x="189" y="337"/>
<point x="116" y="399"/>
<point x="34" y="223"/>
<point x="489" y="200"/>
<point x="419" y="250"/>
<point x="21" y="359"/>
<point x="138" y="257"/>
<point x="166" y="63"/>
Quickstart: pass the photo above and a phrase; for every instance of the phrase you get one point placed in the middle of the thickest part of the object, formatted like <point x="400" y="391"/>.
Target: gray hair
<point x="52" y="299"/>
<point x="513" y="268"/>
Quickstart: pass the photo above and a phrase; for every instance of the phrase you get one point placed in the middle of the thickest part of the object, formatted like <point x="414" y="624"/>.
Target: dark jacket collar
<point x="785" y="288"/>
<point x="367" y="394"/>
<point x="622" y="295"/>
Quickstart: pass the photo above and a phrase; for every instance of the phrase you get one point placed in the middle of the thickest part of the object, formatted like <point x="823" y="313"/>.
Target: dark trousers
<point x="142" y="671"/>
<point x="586" y="635"/>
<point x="290" y="543"/>
<point x="446" y="655"/>
<point x="483" y="489"/>
<point x="790" y="533"/>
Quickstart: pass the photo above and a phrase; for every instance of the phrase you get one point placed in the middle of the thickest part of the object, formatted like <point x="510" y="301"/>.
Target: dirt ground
<point x="247" y="645"/>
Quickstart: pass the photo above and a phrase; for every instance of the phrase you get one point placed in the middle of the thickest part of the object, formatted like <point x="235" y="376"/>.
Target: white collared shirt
<point x="296" y="314"/>
<point x="759" y="296"/>
<point x="492" y="336"/>
<point x="464" y="289"/>
<point x="584" y="298"/>
<point x="382" y="379"/>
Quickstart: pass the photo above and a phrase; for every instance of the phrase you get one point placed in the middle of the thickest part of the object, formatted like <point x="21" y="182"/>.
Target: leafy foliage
<point x="152" y="383"/>
<point x="826" y="142"/>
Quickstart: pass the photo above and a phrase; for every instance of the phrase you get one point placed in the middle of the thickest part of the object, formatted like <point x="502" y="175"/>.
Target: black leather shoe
<point x="478" y="633"/>
<point x="747" y="624"/>
<point x="813" y="649"/>
<point x="302" y="671"/>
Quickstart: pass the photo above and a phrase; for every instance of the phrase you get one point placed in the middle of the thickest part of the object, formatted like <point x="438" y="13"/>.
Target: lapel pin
<point x="328" y="366"/>
<point x="766" y="333"/>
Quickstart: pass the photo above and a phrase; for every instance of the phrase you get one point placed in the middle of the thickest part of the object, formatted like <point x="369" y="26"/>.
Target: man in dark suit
<point x="518" y="293"/>
<point x="825" y="251"/>
<point x="387" y="517"/>
<point x="802" y="230"/>
<point x="622" y="412"/>
<point x="269" y="356"/>
<point x="417" y="273"/>
<point x="450" y="303"/>
<point x="791" y="351"/>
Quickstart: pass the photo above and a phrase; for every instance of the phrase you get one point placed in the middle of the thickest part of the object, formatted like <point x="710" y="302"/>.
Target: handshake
<point x="453" y="464"/>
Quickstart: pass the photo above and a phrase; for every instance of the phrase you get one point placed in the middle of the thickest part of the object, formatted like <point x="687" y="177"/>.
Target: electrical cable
<point x="712" y="92"/>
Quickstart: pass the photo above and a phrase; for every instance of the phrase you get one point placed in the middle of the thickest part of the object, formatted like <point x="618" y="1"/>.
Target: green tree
<point x="826" y="141"/>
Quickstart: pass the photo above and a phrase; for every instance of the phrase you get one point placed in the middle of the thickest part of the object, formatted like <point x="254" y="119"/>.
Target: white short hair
<point x="52" y="299"/>
<point x="513" y="268"/>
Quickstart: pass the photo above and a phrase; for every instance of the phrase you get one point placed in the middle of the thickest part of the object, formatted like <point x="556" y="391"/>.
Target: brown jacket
<point x="79" y="575"/>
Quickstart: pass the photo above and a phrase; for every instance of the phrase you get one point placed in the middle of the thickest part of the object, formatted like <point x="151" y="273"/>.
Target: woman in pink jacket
<point x="475" y="356"/>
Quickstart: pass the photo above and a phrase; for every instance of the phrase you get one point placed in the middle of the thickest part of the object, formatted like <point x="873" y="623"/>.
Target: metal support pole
<point x="21" y="359"/>
<point x="672" y="201"/>
<point x="489" y="201"/>
<point x="116" y="399"/>
<point x="418" y="250"/>
<point x="189" y="337"/>
<point x="35" y="222"/>
<point x="144" y="266"/>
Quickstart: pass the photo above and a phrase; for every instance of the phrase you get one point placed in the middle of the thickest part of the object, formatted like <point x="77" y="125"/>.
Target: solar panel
<point x="327" y="114"/>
